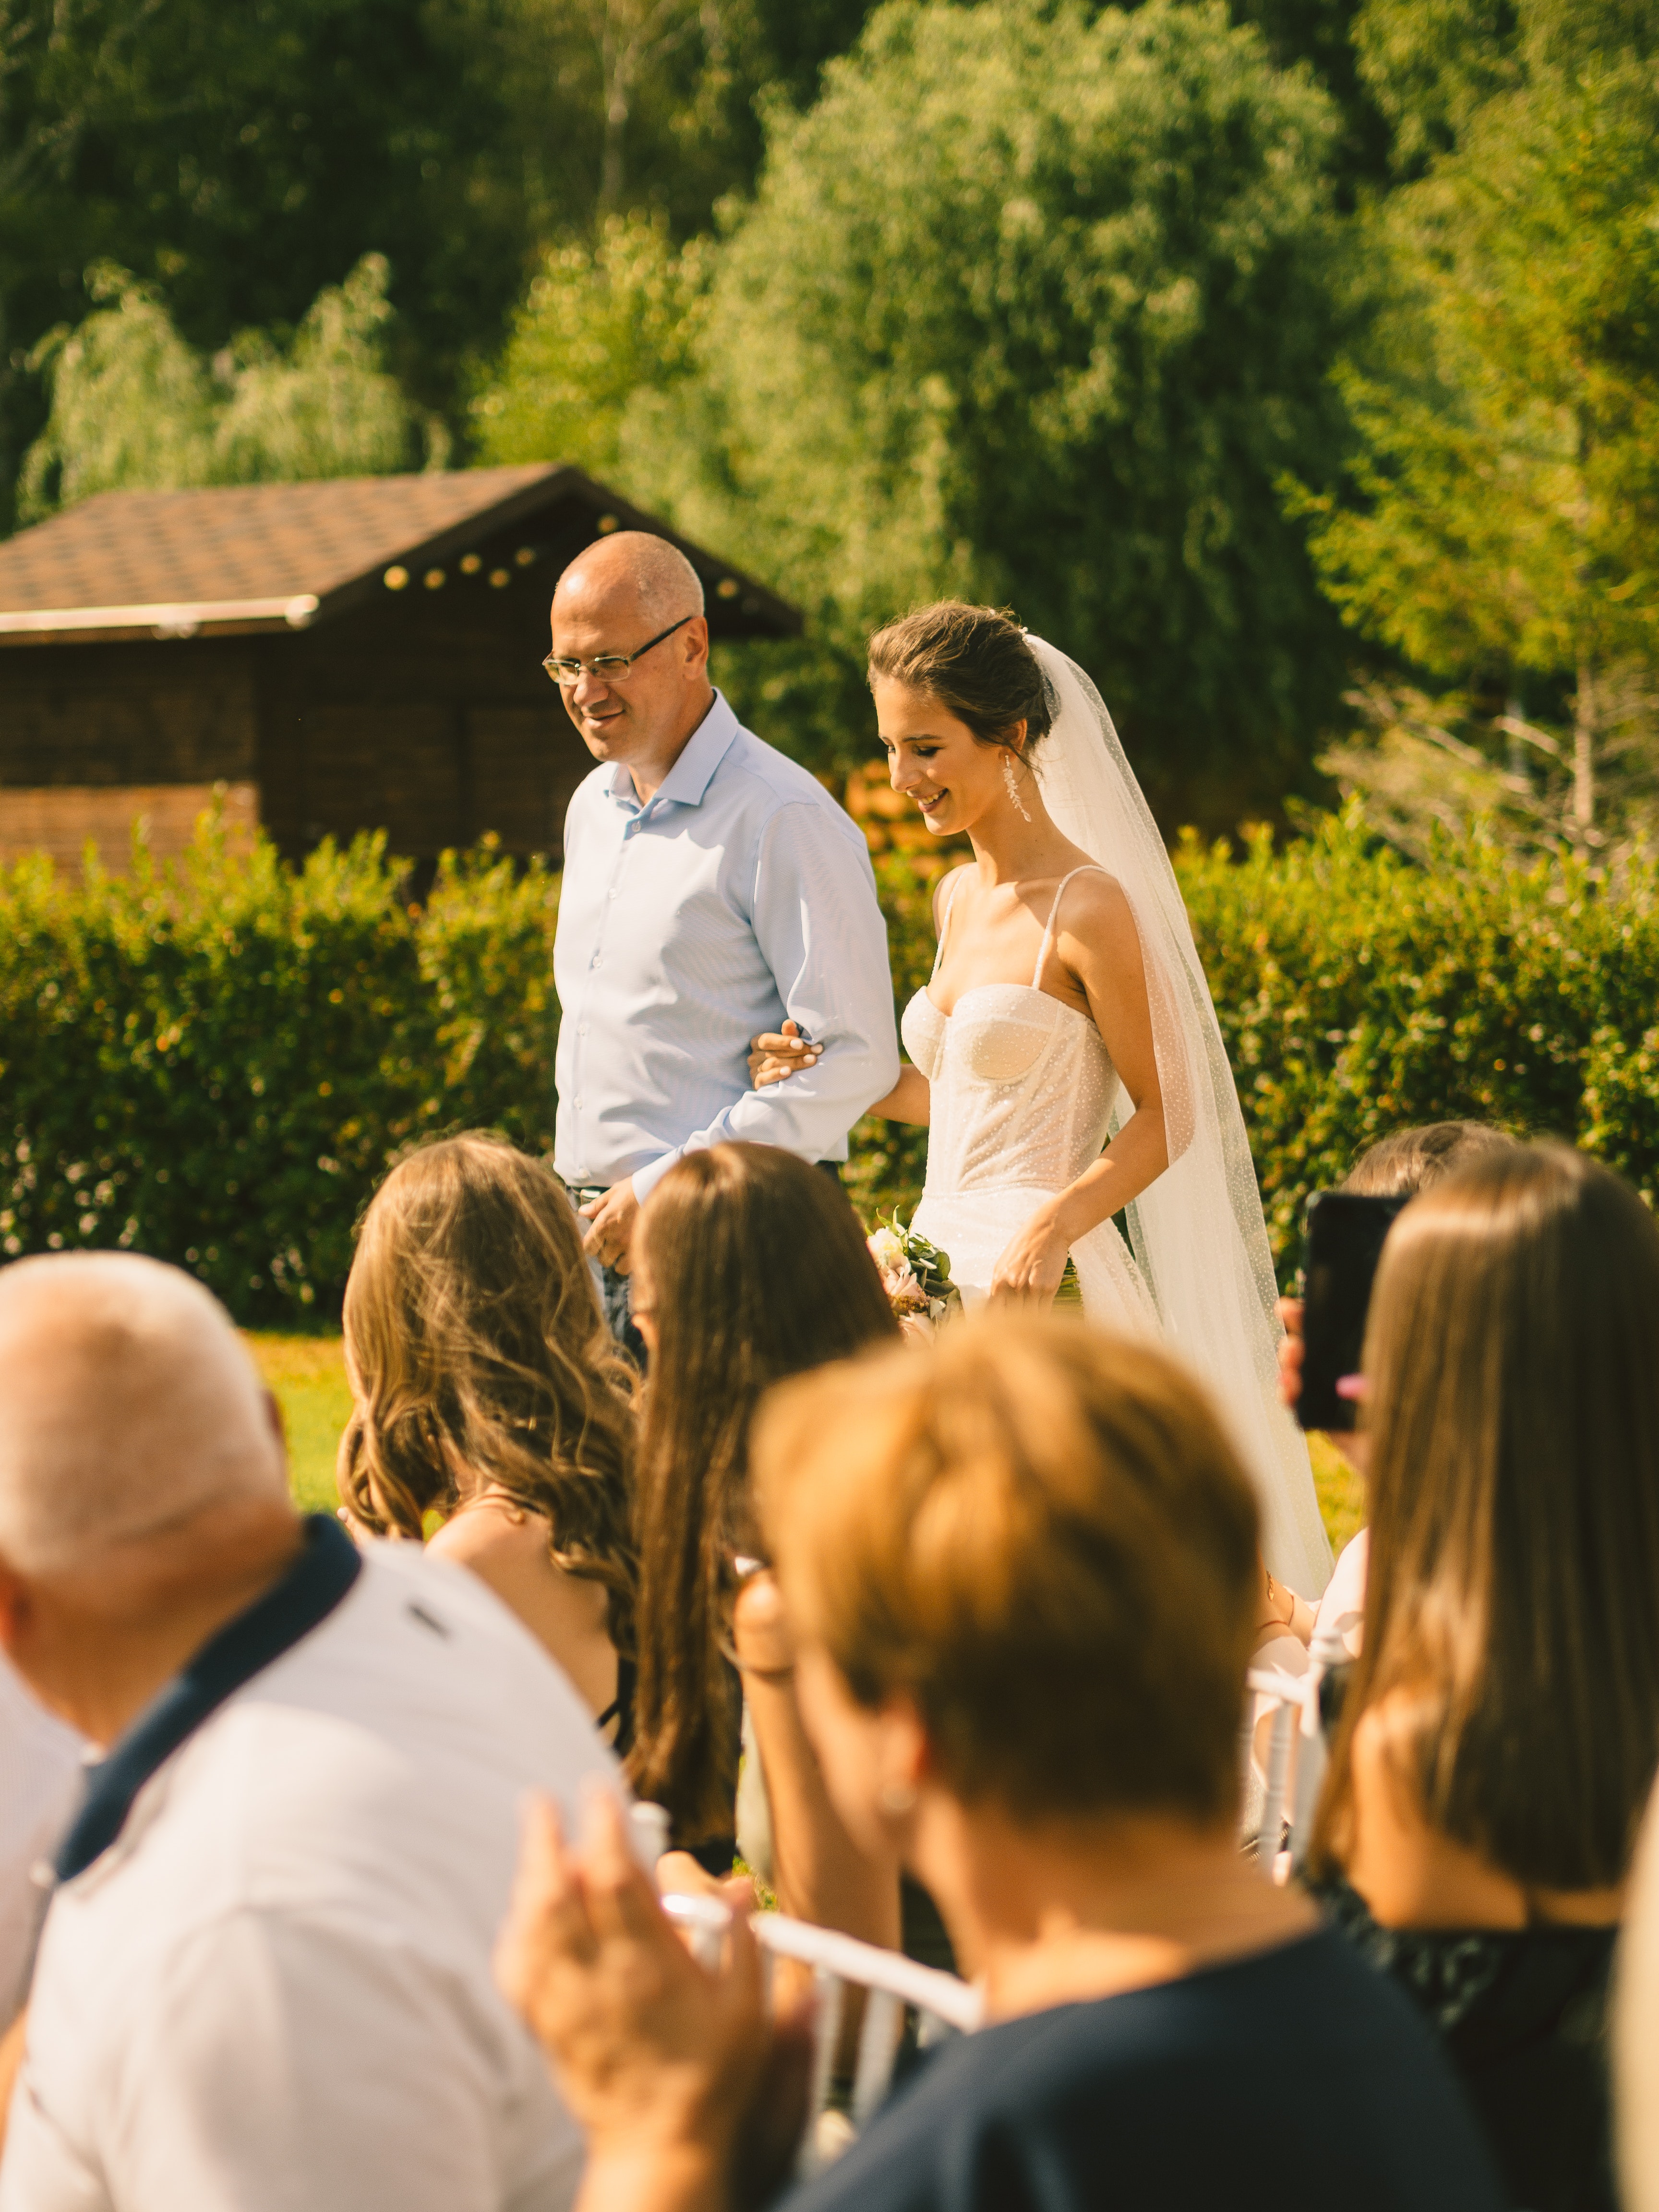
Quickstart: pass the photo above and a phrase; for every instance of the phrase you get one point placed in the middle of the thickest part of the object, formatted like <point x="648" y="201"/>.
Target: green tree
<point x="1508" y="500"/>
<point x="1034" y="306"/>
<point x="133" y="404"/>
<point x="599" y="324"/>
<point x="241" y="157"/>
<point x="1430" y="66"/>
<point x="1321" y="34"/>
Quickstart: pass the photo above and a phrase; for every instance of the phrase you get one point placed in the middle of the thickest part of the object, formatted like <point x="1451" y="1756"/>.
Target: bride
<point x="1064" y="1054"/>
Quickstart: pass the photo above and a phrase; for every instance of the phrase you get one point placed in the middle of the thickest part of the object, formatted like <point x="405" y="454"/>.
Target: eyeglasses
<point x="609" y="667"/>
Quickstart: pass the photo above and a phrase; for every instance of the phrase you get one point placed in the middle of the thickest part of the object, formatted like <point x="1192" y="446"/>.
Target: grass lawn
<point x="307" y="1376"/>
<point x="1341" y="1492"/>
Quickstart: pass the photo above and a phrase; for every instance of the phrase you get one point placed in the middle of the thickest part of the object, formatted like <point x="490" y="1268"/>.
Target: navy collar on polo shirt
<point x="692" y="773"/>
<point x="328" y="1566"/>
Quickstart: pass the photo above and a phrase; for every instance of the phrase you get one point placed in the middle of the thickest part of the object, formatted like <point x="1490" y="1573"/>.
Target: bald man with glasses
<point x="713" y="889"/>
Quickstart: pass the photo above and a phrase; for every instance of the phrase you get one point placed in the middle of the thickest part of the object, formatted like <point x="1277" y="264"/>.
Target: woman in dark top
<point x="1499" y="1730"/>
<point x="1021" y="1572"/>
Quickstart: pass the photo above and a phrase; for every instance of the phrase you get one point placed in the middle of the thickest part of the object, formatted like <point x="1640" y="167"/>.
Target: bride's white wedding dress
<point x="1021" y="1094"/>
<point x="1024" y="1098"/>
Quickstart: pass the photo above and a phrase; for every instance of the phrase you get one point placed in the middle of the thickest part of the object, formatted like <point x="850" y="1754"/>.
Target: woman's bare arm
<point x="820" y="1874"/>
<point x="1100" y="946"/>
<point x="776" y="1055"/>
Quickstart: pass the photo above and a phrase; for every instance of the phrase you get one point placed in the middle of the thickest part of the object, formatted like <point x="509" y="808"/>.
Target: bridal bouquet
<point x="915" y="1275"/>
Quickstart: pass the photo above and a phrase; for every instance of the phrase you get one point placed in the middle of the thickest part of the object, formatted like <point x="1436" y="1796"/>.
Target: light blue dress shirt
<point x="739" y="896"/>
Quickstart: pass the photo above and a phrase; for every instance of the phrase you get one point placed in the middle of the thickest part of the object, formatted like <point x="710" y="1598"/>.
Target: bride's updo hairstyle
<point x="975" y="661"/>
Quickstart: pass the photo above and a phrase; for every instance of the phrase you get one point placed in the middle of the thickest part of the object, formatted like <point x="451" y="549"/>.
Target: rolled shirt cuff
<point x="646" y="1179"/>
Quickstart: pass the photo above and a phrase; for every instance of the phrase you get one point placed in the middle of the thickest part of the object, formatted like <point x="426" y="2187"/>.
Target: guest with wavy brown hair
<point x="749" y="1266"/>
<point x="1500" y="1731"/>
<point x="488" y="1392"/>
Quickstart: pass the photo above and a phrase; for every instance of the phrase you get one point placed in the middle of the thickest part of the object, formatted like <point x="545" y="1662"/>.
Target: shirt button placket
<point x="595" y="962"/>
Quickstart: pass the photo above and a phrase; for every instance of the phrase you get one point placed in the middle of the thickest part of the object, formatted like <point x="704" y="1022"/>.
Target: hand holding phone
<point x="1345" y="1237"/>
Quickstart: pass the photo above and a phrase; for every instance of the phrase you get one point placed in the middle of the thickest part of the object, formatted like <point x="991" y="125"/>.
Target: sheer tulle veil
<point x="1198" y="1232"/>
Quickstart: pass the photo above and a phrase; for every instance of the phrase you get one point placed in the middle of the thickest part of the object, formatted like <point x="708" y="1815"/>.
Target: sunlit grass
<point x="1341" y="1492"/>
<point x="307" y="1376"/>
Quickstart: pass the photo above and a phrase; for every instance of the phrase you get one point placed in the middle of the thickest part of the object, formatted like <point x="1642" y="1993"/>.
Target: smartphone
<point x="1345" y="1234"/>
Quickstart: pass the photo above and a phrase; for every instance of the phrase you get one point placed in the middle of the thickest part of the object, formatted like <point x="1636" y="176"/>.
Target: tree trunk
<point x="611" y="167"/>
<point x="1585" y="720"/>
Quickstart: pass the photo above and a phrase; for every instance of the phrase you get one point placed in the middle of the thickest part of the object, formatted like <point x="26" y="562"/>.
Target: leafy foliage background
<point x="215" y="1062"/>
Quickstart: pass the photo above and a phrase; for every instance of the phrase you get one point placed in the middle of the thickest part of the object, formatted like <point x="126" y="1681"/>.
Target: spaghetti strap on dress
<point x="1022" y="1090"/>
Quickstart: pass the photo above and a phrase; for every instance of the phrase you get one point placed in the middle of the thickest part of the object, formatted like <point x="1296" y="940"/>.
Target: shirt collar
<point x="306" y="1594"/>
<point x="692" y="773"/>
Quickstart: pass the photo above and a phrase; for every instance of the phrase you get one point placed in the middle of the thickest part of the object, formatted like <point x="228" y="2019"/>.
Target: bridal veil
<point x="1198" y="1232"/>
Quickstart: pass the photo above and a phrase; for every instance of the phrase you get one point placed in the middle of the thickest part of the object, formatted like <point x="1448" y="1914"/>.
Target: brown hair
<point x="975" y="661"/>
<point x="1039" y="1533"/>
<point x="1411" y="1160"/>
<point x="758" y="1269"/>
<point x="477" y="1343"/>
<point x="1510" y="1616"/>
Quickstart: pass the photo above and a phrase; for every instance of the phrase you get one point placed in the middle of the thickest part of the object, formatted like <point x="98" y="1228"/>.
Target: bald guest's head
<point x="623" y="593"/>
<point x="128" y="1408"/>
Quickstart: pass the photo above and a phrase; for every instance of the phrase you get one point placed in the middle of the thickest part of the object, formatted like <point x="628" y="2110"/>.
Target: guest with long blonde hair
<point x="488" y="1394"/>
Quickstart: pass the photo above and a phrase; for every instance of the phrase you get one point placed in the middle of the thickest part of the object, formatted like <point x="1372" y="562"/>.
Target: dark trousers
<point x="618" y="1311"/>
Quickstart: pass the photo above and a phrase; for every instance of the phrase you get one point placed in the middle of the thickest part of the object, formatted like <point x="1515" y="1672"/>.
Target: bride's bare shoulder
<point x="1095" y="900"/>
<point x="1097" y="937"/>
<point x="946" y="888"/>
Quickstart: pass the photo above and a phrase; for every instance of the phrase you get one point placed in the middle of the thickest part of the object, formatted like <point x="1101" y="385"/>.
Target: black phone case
<point x="1345" y="1234"/>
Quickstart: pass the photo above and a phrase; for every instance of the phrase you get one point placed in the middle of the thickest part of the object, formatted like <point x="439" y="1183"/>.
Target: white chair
<point x="894" y="1985"/>
<point x="1295" y="1765"/>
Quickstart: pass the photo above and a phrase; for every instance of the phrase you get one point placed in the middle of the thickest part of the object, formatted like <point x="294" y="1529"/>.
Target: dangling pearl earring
<point x="1008" y="778"/>
<point x="897" y="1798"/>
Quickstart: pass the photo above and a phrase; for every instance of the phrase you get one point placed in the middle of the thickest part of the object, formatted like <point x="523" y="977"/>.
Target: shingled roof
<point x="249" y="557"/>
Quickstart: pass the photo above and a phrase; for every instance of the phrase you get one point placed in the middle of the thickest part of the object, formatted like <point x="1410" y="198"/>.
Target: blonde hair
<point x="476" y="1344"/>
<point x="1410" y="1160"/>
<point x="1039" y="1533"/>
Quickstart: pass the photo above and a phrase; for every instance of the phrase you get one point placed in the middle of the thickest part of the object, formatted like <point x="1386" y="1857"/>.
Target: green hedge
<point x="1358" y="994"/>
<point x="215" y="1061"/>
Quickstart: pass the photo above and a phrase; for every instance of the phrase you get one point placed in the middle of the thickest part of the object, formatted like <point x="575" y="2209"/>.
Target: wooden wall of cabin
<point x="422" y="711"/>
<point x="95" y="737"/>
<point x="431" y="720"/>
<point x="175" y="710"/>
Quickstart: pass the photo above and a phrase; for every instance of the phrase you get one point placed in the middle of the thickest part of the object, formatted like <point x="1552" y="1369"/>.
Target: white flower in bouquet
<point x="915" y="1275"/>
<point x="887" y="1250"/>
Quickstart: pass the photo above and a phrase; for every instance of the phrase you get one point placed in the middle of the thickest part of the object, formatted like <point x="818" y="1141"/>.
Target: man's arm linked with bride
<point x="991" y="915"/>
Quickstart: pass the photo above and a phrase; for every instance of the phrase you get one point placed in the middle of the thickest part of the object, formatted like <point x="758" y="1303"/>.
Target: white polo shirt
<point x="273" y="1990"/>
<point x="40" y="1770"/>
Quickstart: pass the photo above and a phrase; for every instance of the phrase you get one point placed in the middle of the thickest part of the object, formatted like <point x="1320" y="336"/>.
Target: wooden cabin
<point x="326" y="657"/>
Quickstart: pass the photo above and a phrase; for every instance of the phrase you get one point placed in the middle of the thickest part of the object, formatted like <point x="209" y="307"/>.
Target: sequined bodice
<point x="1022" y="1088"/>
